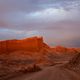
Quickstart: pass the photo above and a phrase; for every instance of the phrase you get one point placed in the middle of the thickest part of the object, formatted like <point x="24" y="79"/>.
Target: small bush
<point x="33" y="68"/>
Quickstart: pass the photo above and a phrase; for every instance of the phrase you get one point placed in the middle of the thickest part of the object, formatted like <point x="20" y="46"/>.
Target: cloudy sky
<point x="58" y="21"/>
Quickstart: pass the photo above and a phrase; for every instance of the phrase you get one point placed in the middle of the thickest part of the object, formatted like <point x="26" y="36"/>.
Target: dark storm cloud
<point x="34" y="5"/>
<point x="23" y="7"/>
<point x="74" y="42"/>
<point x="57" y="18"/>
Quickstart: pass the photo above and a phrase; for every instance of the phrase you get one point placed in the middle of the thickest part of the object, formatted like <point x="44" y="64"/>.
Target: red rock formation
<point x="74" y="63"/>
<point x="34" y="47"/>
<point x="29" y="44"/>
<point x="64" y="50"/>
<point x="60" y="49"/>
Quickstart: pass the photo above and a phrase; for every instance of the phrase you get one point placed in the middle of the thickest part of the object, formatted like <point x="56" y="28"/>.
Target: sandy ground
<point x="51" y="73"/>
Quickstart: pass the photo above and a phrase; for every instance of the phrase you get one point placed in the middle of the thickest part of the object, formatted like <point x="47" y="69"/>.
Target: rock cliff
<point x="29" y="44"/>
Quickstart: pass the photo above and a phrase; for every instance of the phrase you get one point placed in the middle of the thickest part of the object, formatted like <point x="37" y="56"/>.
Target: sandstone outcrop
<point x="29" y="44"/>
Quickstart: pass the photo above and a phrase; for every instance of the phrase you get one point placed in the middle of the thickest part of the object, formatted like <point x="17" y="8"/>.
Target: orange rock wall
<point x="29" y="44"/>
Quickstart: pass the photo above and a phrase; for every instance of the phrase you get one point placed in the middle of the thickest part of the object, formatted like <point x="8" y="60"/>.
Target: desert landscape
<point x="33" y="59"/>
<point x="39" y="39"/>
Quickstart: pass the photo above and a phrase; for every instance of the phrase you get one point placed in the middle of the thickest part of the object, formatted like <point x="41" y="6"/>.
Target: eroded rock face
<point x="64" y="50"/>
<point x="75" y="62"/>
<point x="29" y="44"/>
<point x="19" y="54"/>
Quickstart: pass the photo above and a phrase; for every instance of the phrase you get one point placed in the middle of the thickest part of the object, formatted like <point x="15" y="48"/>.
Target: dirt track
<point x="51" y="73"/>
